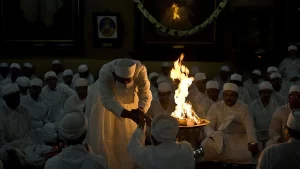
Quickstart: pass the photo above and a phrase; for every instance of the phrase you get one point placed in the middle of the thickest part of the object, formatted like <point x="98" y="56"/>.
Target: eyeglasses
<point x="294" y="97"/>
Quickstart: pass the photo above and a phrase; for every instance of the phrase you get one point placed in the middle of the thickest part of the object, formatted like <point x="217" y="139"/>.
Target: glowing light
<point x="175" y="12"/>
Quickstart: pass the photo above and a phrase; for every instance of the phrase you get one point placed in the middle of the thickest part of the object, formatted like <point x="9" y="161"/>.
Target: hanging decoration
<point x="181" y="33"/>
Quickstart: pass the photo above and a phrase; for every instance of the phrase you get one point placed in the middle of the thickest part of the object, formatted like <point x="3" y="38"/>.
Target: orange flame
<point x="183" y="109"/>
<point x="175" y="13"/>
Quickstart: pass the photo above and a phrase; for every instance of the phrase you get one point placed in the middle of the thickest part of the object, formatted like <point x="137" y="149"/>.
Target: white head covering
<point x="164" y="87"/>
<point x="81" y="82"/>
<point x="275" y="75"/>
<point x="50" y="74"/>
<point x="28" y="65"/>
<point x="125" y="68"/>
<point x="164" y="128"/>
<point x="166" y="64"/>
<point x="199" y="76"/>
<point x="292" y="47"/>
<point x="23" y="81"/>
<point x="236" y="77"/>
<point x="224" y="68"/>
<point x="257" y="72"/>
<point x="194" y="70"/>
<point x="9" y="88"/>
<point x="3" y="65"/>
<point x="15" y="65"/>
<point x="82" y="68"/>
<point x="55" y="62"/>
<point x="36" y="82"/>
<point x="294" y="120"/>
<point x="73" y="125"/>
<point x="68" y="72"/>
<point x="161" y="79"/>
<point x="212" y="85"/>
<point x="272" y="69"/>
<point x="294" y="88"/>
<point x="265" y="85"/>
<point x="152" y="75"/>
<point x="231" y="87"/>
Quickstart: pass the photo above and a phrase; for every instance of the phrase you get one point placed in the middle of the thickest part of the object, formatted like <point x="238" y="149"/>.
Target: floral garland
<point x="180" y="33"/>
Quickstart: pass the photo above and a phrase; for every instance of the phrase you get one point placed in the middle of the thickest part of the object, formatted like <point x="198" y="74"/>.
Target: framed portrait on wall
<point x="41" y="24"/>
<point x="108" y="29"/>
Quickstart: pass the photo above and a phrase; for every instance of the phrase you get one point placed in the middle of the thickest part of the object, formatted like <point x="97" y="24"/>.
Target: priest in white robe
<point x="280" y="91"/>
<point x="223" y="76"/>
<point x="290" y="66"/>
<point x="252" y="84"/>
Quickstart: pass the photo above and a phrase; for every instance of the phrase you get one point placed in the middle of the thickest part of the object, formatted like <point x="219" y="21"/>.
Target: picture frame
<point x="25" y="28"/>
<point x="108" y="30"/>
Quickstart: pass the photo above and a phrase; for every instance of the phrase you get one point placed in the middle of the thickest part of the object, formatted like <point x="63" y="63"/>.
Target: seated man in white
<point x="252" y="84"/>
<point x="223" y="76"/>
<point x="83" y="72"/>
<point x="152" y="78"/>
<point x="230" y="136"/>
<point x="23" y="83"/>
<point x="280" y="91"/>
<point x="76" y="155"/>
<point x="262" y="110"/>
<point x="281" y="115"/>
<point x="285" y="155"/>
<point x="165" y="152"/>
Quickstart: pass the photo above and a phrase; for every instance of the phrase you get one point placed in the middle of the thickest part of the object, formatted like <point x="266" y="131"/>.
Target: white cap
<point x="15" y="65"/>
<point x="164" y="87"/>
<point x="166" y="64"/>
<point x="9" y="88"/>
<point x="272" y="69"/>
<point x="82" y="68"/>
<point x="236" y="77"/>
<point x="294" y="88"/>
<point x="125" y="68"/>
<point x="292" y="47"/>
<point x="161" y="79"/>
<point x="231" y="87"/>
<point x="275" y="75"/>
<point x="152" y="75"/>
<point x="36" y="82"/>
<point x="81" y="82"/>
<point x="294" y="120"/>
<point x="224" y="68"/>
<point x="23" y="81"/>
<point x="212" y="85"/>
<point x="199" y="76"/>
<point x="194" y="70"/>
<point x="257" y="72"/>
<point x="164" y="128"/>
<point x="55" y="62"/>
<point x="73" y="125"/>
<point x="50" y="74"/>
<point x="28" y="65"/>
<point x="68" y="72"/>
<point x="3" y="65"/>
<point x="265" y="85"/>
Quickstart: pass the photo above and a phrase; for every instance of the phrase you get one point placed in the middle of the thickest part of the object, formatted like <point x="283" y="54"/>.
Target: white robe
<point x="278" y="122"/>
<point x="289" y="68"/>
<point x="7" y="81"/>
<point x="56" y="99"/>
<point x="232" y="141"/>
<point x="262" y="117"/>
<point x="163" y="156"/>
<point x="73" y="103"/>
<point x="281" y="156"/>
<point x="60" y="78"/>
<point x="38" y="111"/>
<point x="244" y="96"/>
<point x="220" y="81"/>
<point x="90" y="78"/>
<point x="76" y="156"/>
<point x="282" y="96"/>
<point x="111" y="132"/>
<point x="252" y="88"/>
<point x="156" y="108"/>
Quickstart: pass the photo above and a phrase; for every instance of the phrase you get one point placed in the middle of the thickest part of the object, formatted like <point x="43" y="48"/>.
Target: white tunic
<point x="6" y="81"/>
<point x="90" y="78"/>
<point x="281" y="156"/>
<point x="278" y="123"/>
<point x="220" y="81"/>
<point x="234" y="138"/>
<point x="252" y="88"/>
<point x="262" y="117"/>
<point x="244" y="95"/>
<point x="163" y="156"/>
<point x="38" y="110"/>
<point x="73" y="103"/>
<point x="282" y="96"/>
<point x="56" y="99"/>
<point x="156" y="108"/>
<point x="289" y="67"/>
<point x="111" y="132"/>
<point x="76" y="156"/>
